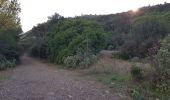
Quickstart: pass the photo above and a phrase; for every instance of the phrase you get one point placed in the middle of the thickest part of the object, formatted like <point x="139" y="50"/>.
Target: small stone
<point x="107" y="91"/>
<point x="51" y="93"/>
<point x="120" y="95"/>
<point x="112" y="83"/>
<point x="70" y="96"/>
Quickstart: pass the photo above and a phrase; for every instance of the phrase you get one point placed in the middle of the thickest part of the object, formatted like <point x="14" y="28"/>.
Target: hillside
<point x="76" y="43"/>
<point x="133" y="33"/>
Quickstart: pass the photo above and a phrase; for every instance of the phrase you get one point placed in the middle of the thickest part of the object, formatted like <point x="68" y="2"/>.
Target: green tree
<point x="9" y="30"/>
<point x="146" y="31"/>
<point x="68" y="37"/>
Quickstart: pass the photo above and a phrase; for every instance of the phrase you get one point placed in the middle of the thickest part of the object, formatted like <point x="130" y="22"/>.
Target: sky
<point x="37" y="11"/>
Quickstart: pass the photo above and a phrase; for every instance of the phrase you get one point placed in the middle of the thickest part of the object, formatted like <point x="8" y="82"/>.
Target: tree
<point x="55" y="18"/>
<point x="67" y="37"/>
<point x="146" y="31"/>
<point x="9" y="30"/>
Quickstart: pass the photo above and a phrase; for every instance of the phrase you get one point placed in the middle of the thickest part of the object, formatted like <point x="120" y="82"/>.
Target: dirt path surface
<point x="34" y="80"/>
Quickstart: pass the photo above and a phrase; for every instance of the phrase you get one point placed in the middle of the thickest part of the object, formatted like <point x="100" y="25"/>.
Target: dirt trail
<point x="34" y="80"/>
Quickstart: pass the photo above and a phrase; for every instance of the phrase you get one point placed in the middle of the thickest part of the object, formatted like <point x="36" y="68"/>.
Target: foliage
<point x="146" y="30"/>
<point x="136" y="95"/>
<point x="4" y="64"/>
<point x="136" y="72"/>
<point x="72" y="37"/>
<point x="38" y="49"/>
<point x="79" y="60"/>
<point x="111" y="47"/>
<point x="161" y="64"/>
<point x="135" y="32"/>
<point x="9" y="32"/>
<point x="115" y="40"/>
<point x="73" y="42"/>
<point x="121" y="55"/>
<point x="112" y="79"/>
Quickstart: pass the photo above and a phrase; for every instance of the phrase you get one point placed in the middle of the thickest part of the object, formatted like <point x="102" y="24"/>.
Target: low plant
<point x="121" y="55"/>
<point x="135" y="94"/>
<point x="111" y="47"/>
<point x="4" y="64"/>
<point x="161" y="63"/>
<point x="112" y="80"/>
<point x="79" y="61"/>
<point x="161" y="82"/>
<point x="136" y="72"/>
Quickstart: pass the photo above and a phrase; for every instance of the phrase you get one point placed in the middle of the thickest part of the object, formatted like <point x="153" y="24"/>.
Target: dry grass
<point x="106" y="64"/>
<point x="109" y="71"/>
<point x="115" y="73"/>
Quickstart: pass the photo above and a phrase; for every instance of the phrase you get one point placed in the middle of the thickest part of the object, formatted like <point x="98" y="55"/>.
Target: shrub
<point x="38" y="49"/>
<point x="162" y="84"/>
<point x="136" y="72"/>
<point x="10" y="29"/>
<point x="136" y="95"/>
<point x="72" y="61"/>
<point x="79" y="61"/>
<point x="161" y="63"/>
<point x="69" y="41"/>
<point x="146" y="31"/>
<point x="111" y="47"/>
<point x="4" y="64"/>
<point x="121" y="55"/>
<point x="115" y="40"/>
<point x="88" y="61"/>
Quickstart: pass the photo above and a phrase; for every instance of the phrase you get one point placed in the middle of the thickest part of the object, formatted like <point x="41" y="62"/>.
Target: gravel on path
<point x="34" y="80"/>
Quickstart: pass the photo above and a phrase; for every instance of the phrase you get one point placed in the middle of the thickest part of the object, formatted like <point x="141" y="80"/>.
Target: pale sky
<point x="37" y="11"/>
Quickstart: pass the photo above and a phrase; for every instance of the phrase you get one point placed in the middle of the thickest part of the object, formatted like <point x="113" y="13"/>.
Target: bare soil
<point x="34" y="80"/>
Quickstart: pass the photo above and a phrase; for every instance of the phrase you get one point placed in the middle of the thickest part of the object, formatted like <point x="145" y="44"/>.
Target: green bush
<point x="72" y="61"/>
<point x="121" y="55"/>
<point x="80" y="61"/>
<point x="69" y="41"/>
<point x="80" y="36"/>
<point x="88" y="61"/>
<point x="111" y="47"/>
<point x="162" y="84"/>
<point x="10" y="29"/>
<point x="161" y="63"/>
<point x="145" y="32"/>
<point x="136" y="72"/>
<point x="136" y="95"/>
<point x="4" y="64"/>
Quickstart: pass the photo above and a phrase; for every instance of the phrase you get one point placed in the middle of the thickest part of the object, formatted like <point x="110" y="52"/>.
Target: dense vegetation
<point x="9" y="33"/>
<point x="76" y="41"/>
<point x="161" y="64"/>
<point x="70" y="41"/>
<point x="135" y="33"/>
